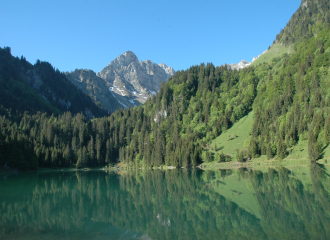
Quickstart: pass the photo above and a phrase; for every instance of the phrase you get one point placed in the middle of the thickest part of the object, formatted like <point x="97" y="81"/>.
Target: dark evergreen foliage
<point x="289" y="96"/>
<point x="40" y="87"/>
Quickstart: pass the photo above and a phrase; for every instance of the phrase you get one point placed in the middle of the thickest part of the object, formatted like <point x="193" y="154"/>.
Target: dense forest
<point x="311" y="15"/>
<point x="289" y="97"/>
<point x="40" y="87"/>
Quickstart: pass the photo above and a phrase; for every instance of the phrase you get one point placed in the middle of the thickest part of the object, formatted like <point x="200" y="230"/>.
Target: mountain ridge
<point x="124" y="82"/>
<point x="288" y="98"/>
<point x="141" y="77"/>
<point x="40" y="87"/>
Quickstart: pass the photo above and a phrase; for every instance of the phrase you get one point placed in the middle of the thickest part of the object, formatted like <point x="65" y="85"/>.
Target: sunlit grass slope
<point x="299" y="151"/>
<point x="238" y="137"/>
<point x="235" y="137"/>
<point x="275" y="50"/>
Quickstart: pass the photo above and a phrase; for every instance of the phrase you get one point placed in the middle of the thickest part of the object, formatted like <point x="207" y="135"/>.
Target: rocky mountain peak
<point x="124" y="59"/>
<point x="140" y="79"/>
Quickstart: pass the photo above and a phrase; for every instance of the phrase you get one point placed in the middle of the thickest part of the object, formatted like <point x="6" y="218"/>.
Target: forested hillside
<point x="40" y="87"/>
<point x="289" y="98"/>
<point x="305" y="22"/>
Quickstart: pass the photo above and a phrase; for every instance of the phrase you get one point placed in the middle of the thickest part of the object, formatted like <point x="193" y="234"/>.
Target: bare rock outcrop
<point x="140" y="79"/>
<point x="243" y="63"/>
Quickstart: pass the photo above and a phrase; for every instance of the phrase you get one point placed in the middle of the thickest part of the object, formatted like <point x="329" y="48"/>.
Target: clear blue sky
<point x="89" y="34"/>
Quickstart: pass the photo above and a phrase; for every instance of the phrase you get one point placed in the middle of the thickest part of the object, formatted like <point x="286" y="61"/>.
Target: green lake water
<point x="270" y="203"/>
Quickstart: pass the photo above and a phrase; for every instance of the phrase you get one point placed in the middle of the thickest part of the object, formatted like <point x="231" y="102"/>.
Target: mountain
<point x="138" y="79"/>
<point x="98" y="90"/>
<point x="310" y="17"/>
<point x="126" y="81"/>
<point x="285" y="97"/>
<point x="275" y="109"/>
<point x="39" y="87"/>
<point x="290" y="118"/>
<point x="243" y="63"/>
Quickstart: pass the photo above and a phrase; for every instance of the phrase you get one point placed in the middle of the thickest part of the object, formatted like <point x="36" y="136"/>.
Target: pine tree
<point x="159" y="148"/>
<point x="67" y="155"/>
<point x="108" y="153"/>
<point x="78" y="164"/>
<point x="269" y="152"/>
<point x="98" y="146"/>
<point x="84" y="157"/>
<point x="121" y="132"/>
<point x="314" y="150"/>
<point x="281" y="149"/>
<point x="327" y="130"/>
<point x="90" y="149"/>
<point x="253" y="149"/>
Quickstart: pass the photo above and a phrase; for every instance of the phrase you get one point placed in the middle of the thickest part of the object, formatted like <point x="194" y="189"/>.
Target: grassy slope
<point x="275" y="50"/>
<point x="238" y="136"/>
<point x="299" y="151"/>
<point x="234" y="137"/>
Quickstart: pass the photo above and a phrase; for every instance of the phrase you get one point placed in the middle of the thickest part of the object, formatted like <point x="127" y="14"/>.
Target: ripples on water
<point x="274" y="203"/>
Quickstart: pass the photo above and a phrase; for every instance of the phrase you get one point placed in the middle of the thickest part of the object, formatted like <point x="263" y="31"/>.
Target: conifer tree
<point x="269" y="151"/>
<point x="108" y="153"/>
<point x="314" y="150"/>
<point x="327" y="130"/>
<point x="281" y="149"/>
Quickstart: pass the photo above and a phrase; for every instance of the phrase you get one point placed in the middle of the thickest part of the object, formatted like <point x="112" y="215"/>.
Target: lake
<point x="265" y="203"/>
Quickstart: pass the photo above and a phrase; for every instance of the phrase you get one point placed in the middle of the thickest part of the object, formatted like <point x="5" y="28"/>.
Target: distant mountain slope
<point x="39" y="87"/>
<point x="126" y="81"/>
<point x="99" y="90"/>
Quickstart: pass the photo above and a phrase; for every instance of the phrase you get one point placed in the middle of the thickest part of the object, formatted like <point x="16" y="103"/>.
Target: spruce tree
<point x="314" y="150"/>
<point x="269" y="151"/>
<point x="281" y="149"/>
<point x="327" y="130"/>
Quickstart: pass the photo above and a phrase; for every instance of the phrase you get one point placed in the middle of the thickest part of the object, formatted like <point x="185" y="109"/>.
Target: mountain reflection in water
<point x="275" y="203"/>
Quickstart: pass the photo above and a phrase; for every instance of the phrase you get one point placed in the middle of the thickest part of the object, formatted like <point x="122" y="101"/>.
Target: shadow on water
<point x="176" y="204"/>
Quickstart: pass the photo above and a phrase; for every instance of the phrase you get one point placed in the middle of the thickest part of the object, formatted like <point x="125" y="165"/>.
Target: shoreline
<point x="211" y="166"/>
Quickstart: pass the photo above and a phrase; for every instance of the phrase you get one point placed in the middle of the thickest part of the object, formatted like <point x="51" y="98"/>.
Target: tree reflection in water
<point x="175" y="204"/>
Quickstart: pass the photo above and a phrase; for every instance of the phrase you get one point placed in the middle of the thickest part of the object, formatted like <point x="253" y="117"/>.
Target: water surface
<point x="273" y="203"/>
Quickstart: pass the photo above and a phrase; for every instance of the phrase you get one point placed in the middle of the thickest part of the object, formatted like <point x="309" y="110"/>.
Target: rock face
<point x="97" y="89"/>
<point x="126" y="81"/>
<point x="243" y="63"/>
<point x="133" y="78"/>
<point x="239" y="65"/>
